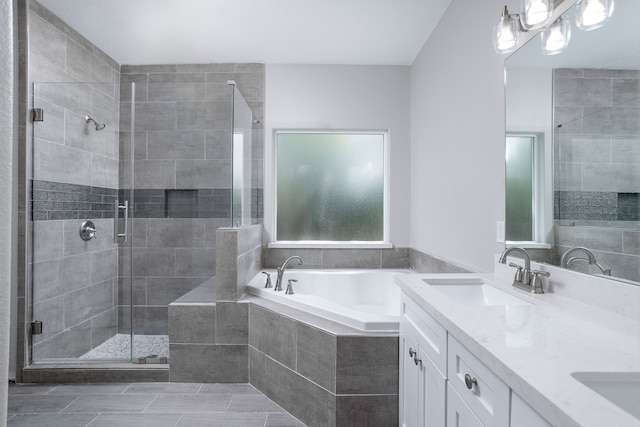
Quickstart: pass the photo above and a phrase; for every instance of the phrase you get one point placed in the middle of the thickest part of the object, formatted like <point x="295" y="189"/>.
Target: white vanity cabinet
<point x="443" y="383"/>
<point x="422" y="366"/>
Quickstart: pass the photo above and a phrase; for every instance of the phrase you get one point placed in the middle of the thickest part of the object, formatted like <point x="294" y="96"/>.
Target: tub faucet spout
<point x="282" y="269"/>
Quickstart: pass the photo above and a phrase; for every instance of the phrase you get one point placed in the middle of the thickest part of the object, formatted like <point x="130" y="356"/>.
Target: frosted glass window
<point x="330" y="186"/>
<point x="520" y="190"/>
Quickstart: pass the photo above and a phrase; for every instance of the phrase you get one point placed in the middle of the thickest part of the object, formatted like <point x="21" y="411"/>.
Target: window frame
<point x="385" y="243"/>
<point x="542" y="203"/>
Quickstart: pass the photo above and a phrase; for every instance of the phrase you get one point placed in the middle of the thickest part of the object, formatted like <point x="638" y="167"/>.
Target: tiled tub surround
<point x="597" y="157"/>
<point x="322" y="372"/>
<point x="534" y="356"/>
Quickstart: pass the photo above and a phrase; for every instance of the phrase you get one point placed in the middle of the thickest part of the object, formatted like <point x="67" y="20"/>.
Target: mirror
<point x="573" y="151"/>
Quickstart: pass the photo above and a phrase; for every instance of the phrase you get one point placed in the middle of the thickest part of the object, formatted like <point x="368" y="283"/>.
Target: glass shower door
<point x="244" y="205"/>
<point x="77" y="211"/>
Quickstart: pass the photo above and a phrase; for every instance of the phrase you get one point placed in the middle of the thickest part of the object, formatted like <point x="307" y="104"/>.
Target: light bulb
<point x="536" y="13"/>
<point x="592" y="14"/>
<point x="556" y="37"/>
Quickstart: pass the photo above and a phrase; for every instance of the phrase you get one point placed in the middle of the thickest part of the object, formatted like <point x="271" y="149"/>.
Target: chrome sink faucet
<point x="282" y="268"/>
<point x="523" y="276"/>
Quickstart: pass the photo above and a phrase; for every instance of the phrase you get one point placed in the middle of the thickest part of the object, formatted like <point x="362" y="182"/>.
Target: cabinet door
<point x="423" y="386"/>
<point x="458" y="413"/>
<point x="410" y="407"/>
<point x="523" y="415"/>
<point x="434" y="393"/>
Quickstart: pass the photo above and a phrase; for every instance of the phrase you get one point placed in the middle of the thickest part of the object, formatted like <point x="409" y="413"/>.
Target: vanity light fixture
<point x="592" y="14"/>
<point x="556" y="37"/>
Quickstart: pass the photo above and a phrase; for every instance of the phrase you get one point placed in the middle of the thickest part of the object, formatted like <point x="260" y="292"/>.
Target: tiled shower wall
<point x="182" y="180"/>
<point x="75" y="171"/>
<point x="597" y="160"/>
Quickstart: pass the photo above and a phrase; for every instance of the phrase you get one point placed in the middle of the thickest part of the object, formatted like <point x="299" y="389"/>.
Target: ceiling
<point x="135" y="32"/>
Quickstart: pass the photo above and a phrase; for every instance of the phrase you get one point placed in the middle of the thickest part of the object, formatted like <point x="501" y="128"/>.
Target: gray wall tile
<point x="301" y="398"/>
<point x="232" y="323"/>
<point x="351" y="258"/>
<point x="176" y="145"/>
<point x="191" y="324"/>
<point x="367" y="365"/>
<point x="316" y="356"/>
<point x="367" y="410"/>
<point x="273" y="335"/>
<point x="209" y="363"/>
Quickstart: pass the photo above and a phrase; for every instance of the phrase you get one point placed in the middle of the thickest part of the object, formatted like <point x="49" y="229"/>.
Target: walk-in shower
<point x="123" y="221"/>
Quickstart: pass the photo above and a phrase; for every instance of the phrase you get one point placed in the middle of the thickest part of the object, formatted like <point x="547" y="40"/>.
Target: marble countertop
<point x="535" y="348"/>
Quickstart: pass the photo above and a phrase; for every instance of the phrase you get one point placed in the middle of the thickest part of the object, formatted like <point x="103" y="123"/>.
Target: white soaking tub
<point x="364" y="299"/>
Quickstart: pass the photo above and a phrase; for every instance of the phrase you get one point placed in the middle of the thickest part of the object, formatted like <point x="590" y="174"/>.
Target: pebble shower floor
<point x="119" y="347"/>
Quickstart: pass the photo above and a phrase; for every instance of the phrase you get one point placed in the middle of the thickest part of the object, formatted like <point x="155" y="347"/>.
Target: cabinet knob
<point x="470" y="382"/>
<point x="412" y="352"/>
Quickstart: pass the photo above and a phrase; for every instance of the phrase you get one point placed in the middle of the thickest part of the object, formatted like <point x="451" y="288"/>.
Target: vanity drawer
<point x="432" y="335"/>
<point x="481" y="389"/>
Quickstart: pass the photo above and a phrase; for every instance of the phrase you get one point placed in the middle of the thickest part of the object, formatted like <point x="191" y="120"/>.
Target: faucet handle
<point x="268" y="282"/>
<point x="536" y="281"/>
<point x="518" y="276"/>
<point x="289" y="290"/>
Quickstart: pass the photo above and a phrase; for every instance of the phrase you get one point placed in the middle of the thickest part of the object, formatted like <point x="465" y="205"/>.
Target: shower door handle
<point x="116" y="213"/>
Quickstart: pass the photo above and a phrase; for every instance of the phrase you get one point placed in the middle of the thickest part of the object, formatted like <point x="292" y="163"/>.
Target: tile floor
<point x="144" y="404"/>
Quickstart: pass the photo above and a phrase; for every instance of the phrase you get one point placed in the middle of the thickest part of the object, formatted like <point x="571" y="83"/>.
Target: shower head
<point x="99" y="126"/>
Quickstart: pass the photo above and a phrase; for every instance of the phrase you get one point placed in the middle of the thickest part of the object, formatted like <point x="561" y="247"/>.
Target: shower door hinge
<point x="36" y="327"/>
<point x="37" y="114"/>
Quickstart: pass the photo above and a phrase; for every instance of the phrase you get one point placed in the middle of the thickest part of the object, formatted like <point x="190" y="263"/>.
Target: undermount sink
<point x="620" y="388"/>
<point x="473" y="291"/>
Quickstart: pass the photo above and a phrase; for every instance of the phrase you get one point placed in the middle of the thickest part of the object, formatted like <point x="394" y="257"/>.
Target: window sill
<point x="329" y="245"/>
<point x="528" y="245"/>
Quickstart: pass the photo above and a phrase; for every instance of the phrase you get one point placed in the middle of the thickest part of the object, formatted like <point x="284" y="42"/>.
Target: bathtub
<point x="364" y="299"/>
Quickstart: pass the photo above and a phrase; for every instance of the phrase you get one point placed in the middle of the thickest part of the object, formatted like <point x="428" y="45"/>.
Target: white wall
<point x="343" y="97"/>
<point x="7" y="197"/>
<point x="457" y="138"/>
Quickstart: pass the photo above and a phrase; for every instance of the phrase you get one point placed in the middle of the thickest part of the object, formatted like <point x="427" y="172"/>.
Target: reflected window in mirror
<point x="520" y="193"/>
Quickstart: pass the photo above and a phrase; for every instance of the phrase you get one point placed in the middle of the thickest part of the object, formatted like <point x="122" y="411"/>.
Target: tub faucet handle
<point x="268" y="282"/>
<point x="289" y="290"/>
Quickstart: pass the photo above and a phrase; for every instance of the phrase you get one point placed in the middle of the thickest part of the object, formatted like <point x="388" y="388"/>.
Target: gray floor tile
<point x="253" y="403"/>
<point x="190" y="403"/>
<point x="255" y="419"/>
<point x="15" y="389"/>
<point x="110" y="403"/>
<point x="228" y="389"/>
<point x="137" y="420"/>
<point x="51" y="420"/>
<point x="80" y="389"/>
<point x="163" y="388"/>
<point x="144" y="404"/>
<point x="282" y="420"/>
<point x="27" y="404"/>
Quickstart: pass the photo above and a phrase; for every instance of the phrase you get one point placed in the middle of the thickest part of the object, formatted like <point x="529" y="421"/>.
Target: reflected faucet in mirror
<point x="591" y="259"/>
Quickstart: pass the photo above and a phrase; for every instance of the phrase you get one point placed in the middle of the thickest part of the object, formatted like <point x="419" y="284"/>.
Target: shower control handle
<point x="87" y="230"/>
